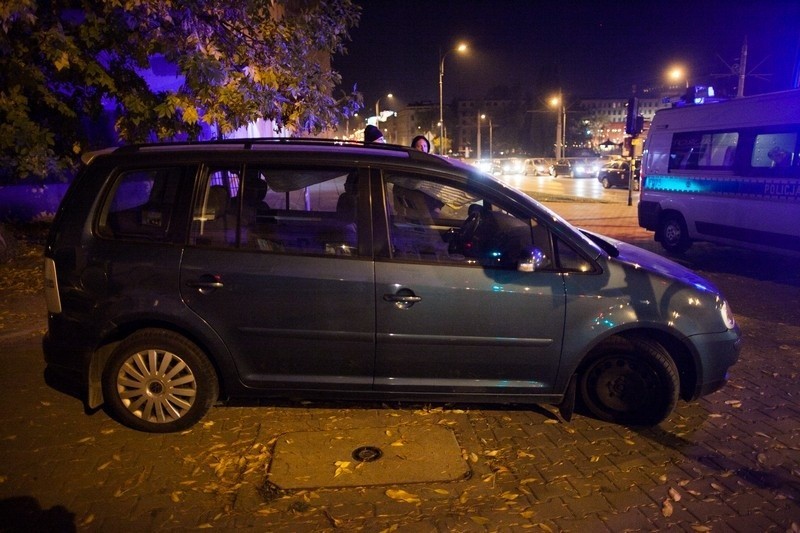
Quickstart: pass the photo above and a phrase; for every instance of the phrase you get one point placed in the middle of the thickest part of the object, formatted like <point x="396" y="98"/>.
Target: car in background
<point x="561" y="167"/>
<point x="512" y="165"/>
<point x="537" y="167"/>
<point x="576" y="167"/>
<point x="586" y="168"/>
<point x="180" y="274"/>
<point x="616" y="174"/>
<point x="490" y="166"/>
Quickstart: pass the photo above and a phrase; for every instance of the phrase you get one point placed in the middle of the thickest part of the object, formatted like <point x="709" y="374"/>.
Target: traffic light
<point x="634" y="123"/>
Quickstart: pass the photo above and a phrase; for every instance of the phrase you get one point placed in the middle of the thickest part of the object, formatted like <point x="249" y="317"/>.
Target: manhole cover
<point x="367" y="456"/>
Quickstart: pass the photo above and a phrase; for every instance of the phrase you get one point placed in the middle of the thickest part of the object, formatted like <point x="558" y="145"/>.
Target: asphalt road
<point x="726" y="463"/>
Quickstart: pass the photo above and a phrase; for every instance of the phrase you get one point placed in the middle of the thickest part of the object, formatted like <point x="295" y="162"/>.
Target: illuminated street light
<point x="677" y="74"/>
<point x="557" y="102"/>
<point x="461" y="48"/>
<point x="491" y="148"/>
<point x="377" y="104"/>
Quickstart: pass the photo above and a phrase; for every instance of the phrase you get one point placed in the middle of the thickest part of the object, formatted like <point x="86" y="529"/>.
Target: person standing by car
<point x="420" y="142"/>
<point x="373" y="135"/>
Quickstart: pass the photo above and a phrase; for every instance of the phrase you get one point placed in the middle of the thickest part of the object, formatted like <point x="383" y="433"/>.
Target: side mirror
<point x="533" y="259"/>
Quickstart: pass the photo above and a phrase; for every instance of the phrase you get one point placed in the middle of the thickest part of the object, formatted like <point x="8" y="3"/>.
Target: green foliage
<point x="240" y="60"/>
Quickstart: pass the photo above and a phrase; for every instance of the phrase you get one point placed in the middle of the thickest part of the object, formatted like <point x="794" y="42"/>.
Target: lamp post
<point x="677" y="74"/>
<point x="491" y="128"/>
<point x="461" y="48"/>
<point x="478" y="142"/>
<point x="377" y="104"/>
<point x="561" y="124"/>
<point x="347" y="131"/>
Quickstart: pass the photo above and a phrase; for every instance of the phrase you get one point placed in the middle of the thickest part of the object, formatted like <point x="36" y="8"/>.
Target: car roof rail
<point x="249" y="143"/>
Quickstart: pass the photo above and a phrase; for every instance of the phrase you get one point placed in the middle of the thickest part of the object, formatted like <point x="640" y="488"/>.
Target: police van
<point x="725" y="172"/>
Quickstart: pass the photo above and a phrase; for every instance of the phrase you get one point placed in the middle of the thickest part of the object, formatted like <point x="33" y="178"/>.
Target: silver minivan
<point x="182" y="274"/>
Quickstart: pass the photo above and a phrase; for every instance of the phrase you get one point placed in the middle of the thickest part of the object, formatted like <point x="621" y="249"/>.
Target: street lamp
<point x="491" y="148"/>
<point x="461" y="48"/>
<point x="478" y="141"/>
<point x="677" y="74"/>
<point x="347" y="131"/>
<point x="377" y="108"/>
<point x="557" y="102"/>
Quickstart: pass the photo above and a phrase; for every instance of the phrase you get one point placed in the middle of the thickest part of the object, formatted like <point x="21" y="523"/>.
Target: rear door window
<point x="278" y="209"/>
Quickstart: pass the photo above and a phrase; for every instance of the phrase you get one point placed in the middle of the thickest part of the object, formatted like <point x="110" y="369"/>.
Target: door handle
<point x="206" y="283"/>
<point x="402" y="299"/>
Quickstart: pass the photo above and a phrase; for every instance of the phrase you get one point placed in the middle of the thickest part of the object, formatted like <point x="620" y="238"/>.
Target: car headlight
<point x="727" y="314"/>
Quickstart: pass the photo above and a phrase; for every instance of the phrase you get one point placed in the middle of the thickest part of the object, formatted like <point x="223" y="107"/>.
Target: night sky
<point x="590" y="48"/>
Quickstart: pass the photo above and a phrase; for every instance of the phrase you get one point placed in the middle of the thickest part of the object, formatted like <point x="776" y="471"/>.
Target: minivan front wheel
<point x="630" y="382"/>
<point x="674" y="234"/>
<point x="159" y="381"/>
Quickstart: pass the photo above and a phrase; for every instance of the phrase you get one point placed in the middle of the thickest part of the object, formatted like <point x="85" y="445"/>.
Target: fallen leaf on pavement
<point x="342" y="468"/>
<point x="399" y="494"/>
<point x="666" y="508"/>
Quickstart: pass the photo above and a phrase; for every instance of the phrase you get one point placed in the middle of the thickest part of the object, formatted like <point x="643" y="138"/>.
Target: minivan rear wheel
<point x="159" y="381"/>
<point x="630" y="382"/>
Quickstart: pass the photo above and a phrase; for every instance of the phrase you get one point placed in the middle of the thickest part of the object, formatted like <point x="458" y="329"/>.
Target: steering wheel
<point x="464" y="240"/>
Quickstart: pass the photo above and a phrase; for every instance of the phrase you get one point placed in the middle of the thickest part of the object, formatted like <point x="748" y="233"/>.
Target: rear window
<point x="141" y="204"/>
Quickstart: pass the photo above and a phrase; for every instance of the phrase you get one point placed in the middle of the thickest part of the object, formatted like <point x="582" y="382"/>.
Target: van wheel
<point x="159" y="381"/>
<point x="674" y="234"/>
<point x="630" y="382"/>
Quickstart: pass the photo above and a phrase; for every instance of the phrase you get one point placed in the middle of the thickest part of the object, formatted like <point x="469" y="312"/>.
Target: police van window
<point x="775" y="150"/>
<point x="703" y="151"/>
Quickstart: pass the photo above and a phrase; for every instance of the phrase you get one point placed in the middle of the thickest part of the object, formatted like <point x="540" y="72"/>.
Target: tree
<point x="239" y="60"/>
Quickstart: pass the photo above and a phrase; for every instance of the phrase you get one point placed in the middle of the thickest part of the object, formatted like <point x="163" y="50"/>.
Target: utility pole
<point x="742" y="70"/>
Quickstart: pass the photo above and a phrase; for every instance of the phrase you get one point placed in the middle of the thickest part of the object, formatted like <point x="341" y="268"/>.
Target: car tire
<point x="606" y="183"/>
<point x="673" y="234"/>
<point x="159" y="381"/>
<point x="630" y="381"/>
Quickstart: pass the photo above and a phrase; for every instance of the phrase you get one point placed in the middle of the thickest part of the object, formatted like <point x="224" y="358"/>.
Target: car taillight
<point x="51" y="295"/>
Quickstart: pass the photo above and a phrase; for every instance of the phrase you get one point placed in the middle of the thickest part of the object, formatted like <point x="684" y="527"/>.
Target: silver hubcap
<point x="673" y="233"/>
<point x="156" y="386"/>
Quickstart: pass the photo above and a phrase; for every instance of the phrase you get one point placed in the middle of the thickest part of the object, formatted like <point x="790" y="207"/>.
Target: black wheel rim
<point x="622" y="385"/>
